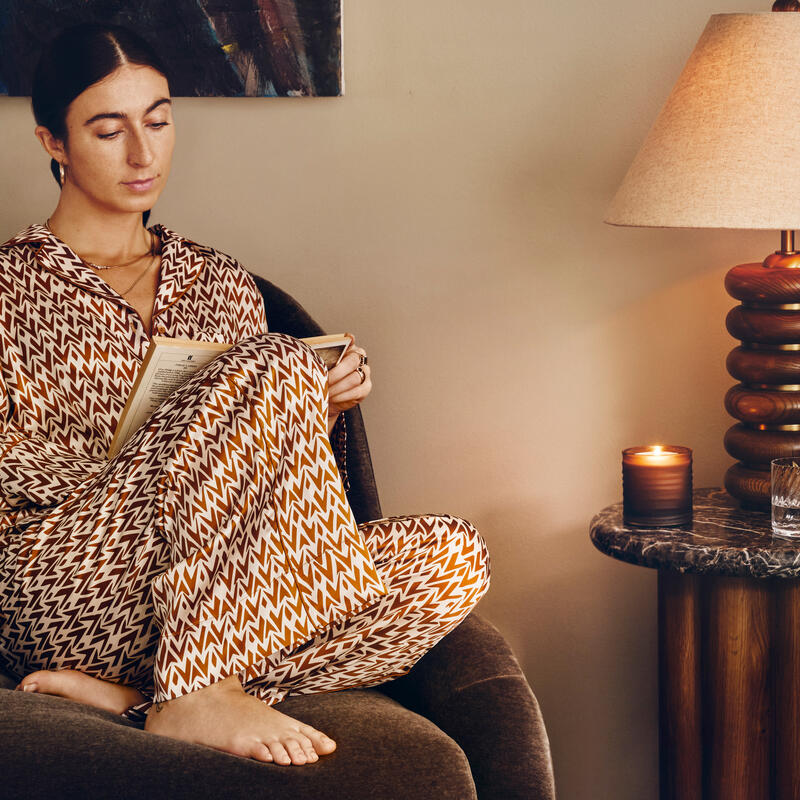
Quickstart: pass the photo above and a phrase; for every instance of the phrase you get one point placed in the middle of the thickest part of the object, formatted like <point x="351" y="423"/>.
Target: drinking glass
<point x="785" y="490"/>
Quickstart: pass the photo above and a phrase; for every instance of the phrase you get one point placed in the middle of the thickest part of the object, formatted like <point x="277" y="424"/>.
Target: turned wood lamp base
<point x="767" y="363"/>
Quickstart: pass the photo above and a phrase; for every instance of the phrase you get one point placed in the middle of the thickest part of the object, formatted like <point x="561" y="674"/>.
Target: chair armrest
<point x="471" y="686"/>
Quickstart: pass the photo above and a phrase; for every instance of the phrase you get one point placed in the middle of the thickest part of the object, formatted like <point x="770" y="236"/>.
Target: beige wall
<point x="448" y="211"/>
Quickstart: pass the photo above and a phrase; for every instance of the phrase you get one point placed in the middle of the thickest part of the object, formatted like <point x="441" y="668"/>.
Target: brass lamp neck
<point x="787" y="256"/>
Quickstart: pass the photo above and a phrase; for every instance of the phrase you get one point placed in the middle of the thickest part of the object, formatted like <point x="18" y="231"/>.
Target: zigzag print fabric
<point x="70" y="349"/>
<point x="435" y="568"/>
<point x="219" y="541"/>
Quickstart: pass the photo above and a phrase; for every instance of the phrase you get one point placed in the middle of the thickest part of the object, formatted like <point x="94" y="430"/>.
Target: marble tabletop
<point x="721" y="540"/>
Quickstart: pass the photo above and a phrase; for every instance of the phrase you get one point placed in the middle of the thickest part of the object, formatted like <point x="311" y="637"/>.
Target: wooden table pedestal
<point x="729" y="649"/>
<point x="729" y="687"/>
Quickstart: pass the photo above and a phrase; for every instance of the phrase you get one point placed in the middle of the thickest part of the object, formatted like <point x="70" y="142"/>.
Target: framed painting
<point x="232" y="48"/>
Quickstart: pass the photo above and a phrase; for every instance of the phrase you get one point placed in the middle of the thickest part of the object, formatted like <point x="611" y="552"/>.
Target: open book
<point x="169" y="363"/>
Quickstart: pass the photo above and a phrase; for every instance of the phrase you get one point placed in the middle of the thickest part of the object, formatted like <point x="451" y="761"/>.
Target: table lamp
<point x="725" y="153"/>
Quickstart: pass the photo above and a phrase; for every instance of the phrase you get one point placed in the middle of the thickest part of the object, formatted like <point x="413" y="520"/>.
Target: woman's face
<point x="120" y="138"/>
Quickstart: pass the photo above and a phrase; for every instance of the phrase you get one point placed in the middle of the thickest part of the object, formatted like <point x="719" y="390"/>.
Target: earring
<point x="61" y="173"/>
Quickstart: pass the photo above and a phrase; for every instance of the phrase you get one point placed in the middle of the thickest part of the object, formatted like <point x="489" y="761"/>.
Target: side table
<point x="729" y="649"/>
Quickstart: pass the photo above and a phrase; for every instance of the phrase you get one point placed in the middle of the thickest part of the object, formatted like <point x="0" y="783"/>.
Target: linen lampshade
<point x="725" y="150"/>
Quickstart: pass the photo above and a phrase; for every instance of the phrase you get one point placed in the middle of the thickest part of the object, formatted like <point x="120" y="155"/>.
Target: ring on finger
<point x="363" y="374"/>
<point x="363" y="360"/>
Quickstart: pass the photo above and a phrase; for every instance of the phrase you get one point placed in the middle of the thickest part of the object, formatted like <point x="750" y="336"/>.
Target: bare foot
<point x="78" y="686"/>
<point x="223" y="716"/>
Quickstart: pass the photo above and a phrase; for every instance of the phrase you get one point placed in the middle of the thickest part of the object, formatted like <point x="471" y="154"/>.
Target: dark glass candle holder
<point x="657" y="486"/>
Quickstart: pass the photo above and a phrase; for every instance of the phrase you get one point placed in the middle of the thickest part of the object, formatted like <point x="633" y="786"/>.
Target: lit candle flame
<point x="656" y="451"/>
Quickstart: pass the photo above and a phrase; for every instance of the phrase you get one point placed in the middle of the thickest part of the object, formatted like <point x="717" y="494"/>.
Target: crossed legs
<point x="218" y="552"/>
<point x="435" y="569"/>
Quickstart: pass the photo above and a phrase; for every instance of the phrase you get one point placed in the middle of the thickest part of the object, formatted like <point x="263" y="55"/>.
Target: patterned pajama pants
<point x="220" y="541"/>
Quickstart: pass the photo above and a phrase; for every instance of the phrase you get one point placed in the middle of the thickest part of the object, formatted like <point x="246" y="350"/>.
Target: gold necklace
<point x="150" y="252"/>
<point x="141" y="274"/>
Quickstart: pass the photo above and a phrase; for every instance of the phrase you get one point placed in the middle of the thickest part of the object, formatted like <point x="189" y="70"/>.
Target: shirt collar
<point x="182" y="261"/>
<point x="56" y="256"/>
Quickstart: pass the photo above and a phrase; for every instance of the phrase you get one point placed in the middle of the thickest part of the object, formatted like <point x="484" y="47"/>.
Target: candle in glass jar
<point x="657" y="486"/>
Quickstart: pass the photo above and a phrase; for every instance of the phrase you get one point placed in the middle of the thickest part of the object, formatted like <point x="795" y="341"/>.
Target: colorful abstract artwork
<point x="246" y="48"/>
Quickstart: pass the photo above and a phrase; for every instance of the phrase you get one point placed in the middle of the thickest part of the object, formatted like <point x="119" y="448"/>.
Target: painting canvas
<point x="253" y="48"/>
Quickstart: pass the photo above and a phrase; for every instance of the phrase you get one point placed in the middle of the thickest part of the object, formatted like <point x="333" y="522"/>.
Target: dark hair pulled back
<point x="75" y="60"/>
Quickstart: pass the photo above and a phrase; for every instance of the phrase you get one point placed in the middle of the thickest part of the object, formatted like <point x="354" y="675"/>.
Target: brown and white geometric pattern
<point x="219" y="541"/>
<point x="435" y="568"/>
<point x="70" y="349"/>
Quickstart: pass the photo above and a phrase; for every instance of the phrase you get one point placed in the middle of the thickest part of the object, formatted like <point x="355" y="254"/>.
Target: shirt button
<point x="161" y="329"/>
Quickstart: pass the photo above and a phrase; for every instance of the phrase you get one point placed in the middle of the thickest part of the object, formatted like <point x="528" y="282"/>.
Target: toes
<point x="35" y="681"/>
<point x="60" y="682"/>
<point x="311" y="753"/>
<point x="295" y="751"/>
<point x="260" y="752"/>
<point x="246" y="747"/>
<point x="306" y="746"/>
<point x="49" y="681"/>
<point x="279" y="754"/>
<point x="321" y="743"/>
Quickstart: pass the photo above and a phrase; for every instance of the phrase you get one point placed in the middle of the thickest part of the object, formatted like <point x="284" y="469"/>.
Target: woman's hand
<point x="349" y="382"/>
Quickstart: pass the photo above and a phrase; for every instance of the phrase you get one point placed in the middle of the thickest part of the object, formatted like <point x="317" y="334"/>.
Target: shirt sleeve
<point x="34" y="470"/>
<point x="252" y="314"/>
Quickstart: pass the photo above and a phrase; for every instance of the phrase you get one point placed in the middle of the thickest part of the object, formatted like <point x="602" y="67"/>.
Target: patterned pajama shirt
<point x="219" y="541"/>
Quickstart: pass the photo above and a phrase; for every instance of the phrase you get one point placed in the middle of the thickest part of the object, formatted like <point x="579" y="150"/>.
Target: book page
<point x="330" y="347"/>
<point x="169" y="363"/>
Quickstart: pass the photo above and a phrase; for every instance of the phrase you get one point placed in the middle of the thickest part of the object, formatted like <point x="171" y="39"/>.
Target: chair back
<point x="286" y="315"/>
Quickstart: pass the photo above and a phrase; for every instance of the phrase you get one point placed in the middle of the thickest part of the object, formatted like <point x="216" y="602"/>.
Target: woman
<point x="213" y="567"/>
